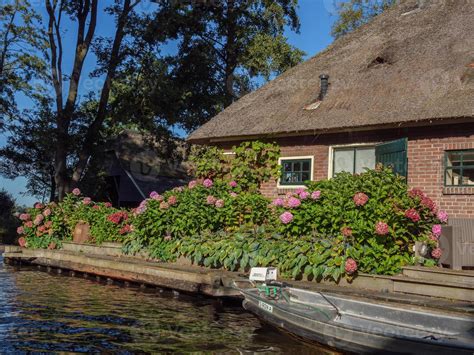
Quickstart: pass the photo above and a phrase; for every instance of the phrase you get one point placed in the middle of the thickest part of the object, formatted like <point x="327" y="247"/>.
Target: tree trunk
<point x="230" y="50"/>
<point x="93" y="130"/>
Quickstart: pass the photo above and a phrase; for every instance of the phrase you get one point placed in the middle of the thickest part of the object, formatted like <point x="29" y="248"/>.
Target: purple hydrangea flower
<point x="293" y="202"/>
<point x="278" y="202"/>
<point x="304" y="195"/>
<point x="436" y="230"/>
<point x="315" y="195"/>
<point x="207" y="183"/>
<point x="443" y="216"/>
<point x="286" y="217"/>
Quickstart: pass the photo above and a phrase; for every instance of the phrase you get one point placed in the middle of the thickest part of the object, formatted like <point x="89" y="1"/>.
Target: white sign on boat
<point x="263" y="274"/>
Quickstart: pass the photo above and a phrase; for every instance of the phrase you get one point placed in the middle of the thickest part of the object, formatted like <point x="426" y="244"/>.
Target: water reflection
<point x="43" y="312"/>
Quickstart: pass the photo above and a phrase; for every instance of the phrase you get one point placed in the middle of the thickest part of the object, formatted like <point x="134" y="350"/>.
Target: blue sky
<point x="316" y="18"/>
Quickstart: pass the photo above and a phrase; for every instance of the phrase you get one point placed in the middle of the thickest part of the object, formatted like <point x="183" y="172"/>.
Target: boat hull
<point x="342" y="338"/>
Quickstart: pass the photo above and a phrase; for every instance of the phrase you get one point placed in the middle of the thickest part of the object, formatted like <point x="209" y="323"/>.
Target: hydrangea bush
<point x="352" y="223"/>
<point x="46" y="226"/>
<point x="203" y="207"/>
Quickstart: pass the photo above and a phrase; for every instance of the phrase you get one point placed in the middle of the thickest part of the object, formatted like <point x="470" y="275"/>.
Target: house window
<point x="353" y="159"/>
<point x="459" y="168"/>
<point x="295" y="171"/>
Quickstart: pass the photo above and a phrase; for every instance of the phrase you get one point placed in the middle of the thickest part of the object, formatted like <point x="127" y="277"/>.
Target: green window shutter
<point x="393" y="154"/>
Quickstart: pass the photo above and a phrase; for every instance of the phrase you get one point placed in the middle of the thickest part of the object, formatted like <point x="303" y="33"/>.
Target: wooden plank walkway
<point x="215" y="283"/>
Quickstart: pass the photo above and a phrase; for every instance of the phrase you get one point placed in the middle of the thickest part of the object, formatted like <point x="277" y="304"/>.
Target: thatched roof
<point x="407" y="66"/>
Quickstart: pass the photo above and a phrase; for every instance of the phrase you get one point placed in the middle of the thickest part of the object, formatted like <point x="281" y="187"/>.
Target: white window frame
<point x="333" y="147"/>
<point x="311" y="173"/>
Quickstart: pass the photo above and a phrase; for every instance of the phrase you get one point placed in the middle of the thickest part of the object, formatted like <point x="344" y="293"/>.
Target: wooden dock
<point x="417" y="286"/>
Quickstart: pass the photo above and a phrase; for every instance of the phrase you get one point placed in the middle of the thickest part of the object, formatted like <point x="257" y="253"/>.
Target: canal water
<point x="41" y="312"/>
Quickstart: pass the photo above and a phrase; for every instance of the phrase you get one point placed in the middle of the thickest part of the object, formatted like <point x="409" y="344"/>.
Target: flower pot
<point x="81" y="233"/>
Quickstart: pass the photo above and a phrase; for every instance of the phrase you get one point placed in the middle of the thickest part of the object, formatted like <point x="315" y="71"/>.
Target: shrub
<point x="8" y="223"/>
<point x="46" y="226"/>
<point x="252" y="163"/>
<point x="194" y="210"/>
<point x="374" y="211"/>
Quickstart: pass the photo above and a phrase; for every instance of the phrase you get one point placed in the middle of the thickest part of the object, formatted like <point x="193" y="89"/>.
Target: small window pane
<point x="297" y="166"/>
<point x="305" y="176"/>
<point x="287" y="177"/>
<point x="453" y="177"/>
<point x="453" y="158"/>
<point x="343" y="161"/>
<point x="468" y="159"/>
<point x="306" y="166"/>
<point x="287" y="166"/>
<point x="365" y="158"/>
<point x="468" y="176"/>
<point x="297" y="177"/>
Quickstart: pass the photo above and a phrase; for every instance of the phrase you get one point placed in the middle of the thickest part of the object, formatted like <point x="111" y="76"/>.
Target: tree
<point x="8" y="222"/>
<point x="84" y="13"/>
<point x="354" y="13"/>
<point x="21" y="39"/>
<point x="224" y="50"/>
<point x="28" y="153"/>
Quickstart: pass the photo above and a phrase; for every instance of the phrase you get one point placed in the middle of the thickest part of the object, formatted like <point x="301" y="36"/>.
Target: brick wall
<point x="426" y="147"/>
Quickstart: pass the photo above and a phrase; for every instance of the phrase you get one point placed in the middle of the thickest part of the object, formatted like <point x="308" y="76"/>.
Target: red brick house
<point x="399" y="90"/>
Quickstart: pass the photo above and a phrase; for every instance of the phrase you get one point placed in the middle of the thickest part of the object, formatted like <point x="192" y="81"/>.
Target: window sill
<point x="458" y="190"/>
<point x="282" y="190"/>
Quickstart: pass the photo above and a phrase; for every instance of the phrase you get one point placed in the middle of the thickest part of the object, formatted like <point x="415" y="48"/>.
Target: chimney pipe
<point x="324" y="86"/>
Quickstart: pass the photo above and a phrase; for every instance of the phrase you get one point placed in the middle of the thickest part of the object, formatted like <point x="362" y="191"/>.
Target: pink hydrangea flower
<point x="304" y="195"/>
<point x="286" y="217"/>
<point x="38" y="205"/>
<point x="293" y="202"/>
<point x="428" y="203"/>
<point x="346" y="232"/>
<point x="350" y="266"/>
<point x="76" y="192"/>
<point x="29" y="224"/>
<point x="192" y="184"/>
<point x="443" y="216"/>
<point x="315" y="195"/>
<point x="434" y="237"/>
<point x="207" y="183"/>
<point x="86" y="201"/>
<point x="416" y="193"/>
<point x="381" y="228"/>
<point x="38" y="219"/>
<point x="24" y="217"/>
<point x="47" y="212"/>
<point x="412" y="214"/>
<point x="436" y="229"/>
<point x="360" y="199"/>
<point x="20" y="230"/>
<point x="278" y="202"/>
<point x="22" y="242"/>
<point x="96" y="207"/>
<point x="154" y="194"/>
<point x="233" y="194"/>
<point x="211" y="200"/>
<point x="233" y="183"/>
<point x="164" y="205"/>
<point x="172" y="200"/>
<point x="436" y="253"/>
<point x="299" y="190"/>
<point x="220" y="203"/>
<point x="48" y="224"/>
<point x="108" y="204"/>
